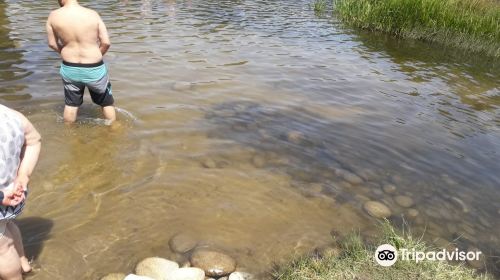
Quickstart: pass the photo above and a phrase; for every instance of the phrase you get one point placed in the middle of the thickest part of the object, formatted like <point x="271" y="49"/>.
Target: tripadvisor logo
<point x="387" y="255"/>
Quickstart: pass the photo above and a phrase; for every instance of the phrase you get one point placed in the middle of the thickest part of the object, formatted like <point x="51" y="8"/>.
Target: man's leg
<point x="10" y="263"/>
<point x="100" y="92"/>
<point x="18" y="244"/>
<point x="70" y="113"/>
<point x="109" y="113"/>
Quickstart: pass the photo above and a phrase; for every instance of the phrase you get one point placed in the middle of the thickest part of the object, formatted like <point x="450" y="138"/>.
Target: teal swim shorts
<point x="77" y="76"/>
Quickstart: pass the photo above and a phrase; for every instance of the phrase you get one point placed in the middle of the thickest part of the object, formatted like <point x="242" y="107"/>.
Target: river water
<point x="235" y="119"/>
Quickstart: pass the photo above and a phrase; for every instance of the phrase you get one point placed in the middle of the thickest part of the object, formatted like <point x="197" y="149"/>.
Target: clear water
<point x="273" y="99"/>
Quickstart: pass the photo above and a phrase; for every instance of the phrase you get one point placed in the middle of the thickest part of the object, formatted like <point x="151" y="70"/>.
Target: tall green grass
<point x="319" y="6"/>
<point x="356" y="261"/>
<point x="469" y="24"/>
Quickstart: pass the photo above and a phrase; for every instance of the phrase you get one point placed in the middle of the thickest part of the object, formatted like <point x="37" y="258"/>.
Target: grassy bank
<point x="473" y="25"/>
<point x="355" y="260"/>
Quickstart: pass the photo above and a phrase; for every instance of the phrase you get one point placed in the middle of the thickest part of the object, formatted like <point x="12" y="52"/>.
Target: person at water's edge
<point x="79" y="35"/>
<point x="20" y="146"/>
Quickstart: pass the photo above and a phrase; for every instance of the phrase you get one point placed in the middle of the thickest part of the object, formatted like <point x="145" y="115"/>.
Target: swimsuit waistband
<point x="86" y="65"/>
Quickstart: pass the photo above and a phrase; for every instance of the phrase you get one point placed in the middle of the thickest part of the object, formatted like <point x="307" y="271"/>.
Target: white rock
<point x="187" y="273"/>
<point x="156" y="268"/>
<point x="137" y="277"/>
<point x="240" y="276"/>
<point x="114" y="276"/>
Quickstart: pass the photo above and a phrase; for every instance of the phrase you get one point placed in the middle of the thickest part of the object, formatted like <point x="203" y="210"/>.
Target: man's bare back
<point x="77" y="33"/>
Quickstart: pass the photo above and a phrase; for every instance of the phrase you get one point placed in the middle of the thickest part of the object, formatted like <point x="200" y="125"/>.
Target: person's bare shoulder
<point x="92" y="13"/>
<point x="53" y="15"/>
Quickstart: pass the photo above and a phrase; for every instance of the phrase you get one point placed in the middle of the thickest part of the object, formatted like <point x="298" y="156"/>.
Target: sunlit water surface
<point x="234" y="117"/>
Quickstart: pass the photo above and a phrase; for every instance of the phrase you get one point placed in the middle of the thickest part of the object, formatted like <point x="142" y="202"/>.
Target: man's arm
<point x="104" y="42"/>
<point x="51" y="36"/>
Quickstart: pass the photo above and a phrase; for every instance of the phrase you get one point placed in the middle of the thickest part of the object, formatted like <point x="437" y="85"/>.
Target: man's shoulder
<point x="54" y="13"/>
<point x="90" y="11"/>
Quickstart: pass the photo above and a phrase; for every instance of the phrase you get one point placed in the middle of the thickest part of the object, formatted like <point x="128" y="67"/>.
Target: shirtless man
<point x="79" y="35"/>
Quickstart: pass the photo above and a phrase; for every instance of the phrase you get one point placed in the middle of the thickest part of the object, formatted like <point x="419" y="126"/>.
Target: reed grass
<point x="472" y="25"/>
<point x="356" y="261"/>
<point x="319" y="6"/>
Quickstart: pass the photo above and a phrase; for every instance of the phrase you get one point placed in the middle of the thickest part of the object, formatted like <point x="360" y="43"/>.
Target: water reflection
<point x="11" y="56"/>
<point x="430" y="64"/>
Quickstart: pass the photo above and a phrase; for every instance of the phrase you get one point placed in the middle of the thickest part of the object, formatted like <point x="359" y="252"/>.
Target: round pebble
<point x="156" y="268"/>
<point x="476" y="263"/>
<point x="209" y="163"/>
<point x="182" y="243"/>
<point x="114" y="276"/>
<point x="138" y="277"/>
<point x="377" y="209"/>
<point x="187" y="273"/>
<point x="240" y="276"/>
<point x="389" y="188"/>
<point x="412" y="213"/>
<point x="367" y="174"/>
<point x="295" y="137"/>
<point x="315" y="188"/>
<point x="404" y="201"/>
<point x="352" y="178"/>
<point x="215" y="264"/>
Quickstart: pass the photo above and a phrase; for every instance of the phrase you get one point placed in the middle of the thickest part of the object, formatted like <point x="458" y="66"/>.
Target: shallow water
<point x="234" y="116"/>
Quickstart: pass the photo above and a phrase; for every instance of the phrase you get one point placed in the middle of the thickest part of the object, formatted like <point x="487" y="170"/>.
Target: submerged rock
<point x="114" y="276"/>
<point x="295" y="137"/>
<point x="182" y="243"/>
<point x="458" y="202"/>
<point x="215" y="264"/>
<point x="404" y="201"/>
<point x="209" y="163"/>
<point x="412" y="213"/>
<point x="188" y="273"/>
<point x="240" y="276"/>
<point x="479" y="263"/>
<point x="367" y="174"/>
<point x="349" y="177"/>
<point x="389" y="188"/>
<point x="377" y="209"/>
<point x="156" y="268"/>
